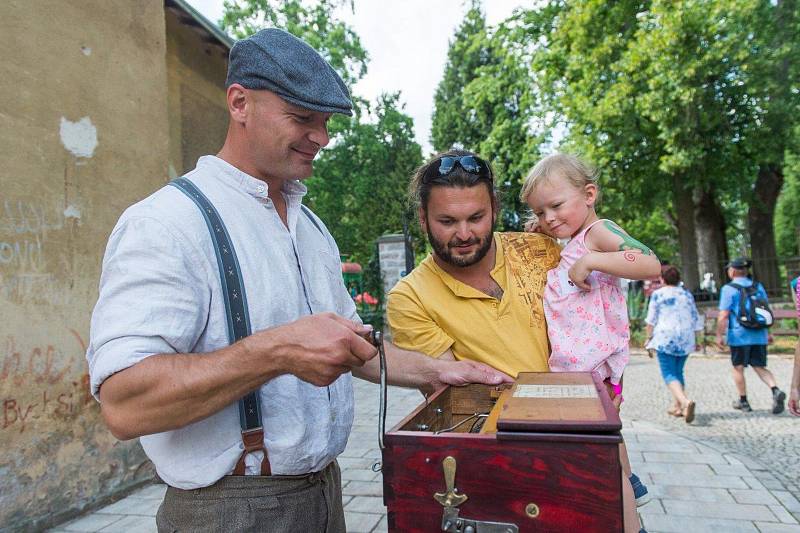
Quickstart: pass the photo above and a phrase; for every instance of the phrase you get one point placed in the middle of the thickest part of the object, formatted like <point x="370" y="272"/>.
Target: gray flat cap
<point x="277" y="61"/>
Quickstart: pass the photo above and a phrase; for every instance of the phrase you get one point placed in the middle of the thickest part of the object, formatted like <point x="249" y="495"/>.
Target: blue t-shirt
<point x="739" y="335"/>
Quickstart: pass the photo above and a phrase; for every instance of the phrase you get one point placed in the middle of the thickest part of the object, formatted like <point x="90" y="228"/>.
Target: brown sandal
<point x="688" y="412"/>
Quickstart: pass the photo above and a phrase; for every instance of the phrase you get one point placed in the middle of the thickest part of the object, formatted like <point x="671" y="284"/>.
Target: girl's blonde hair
<point x="572" y="168"/>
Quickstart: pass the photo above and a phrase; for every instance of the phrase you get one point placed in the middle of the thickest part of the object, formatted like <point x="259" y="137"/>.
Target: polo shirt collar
<point x="463" y="290"/>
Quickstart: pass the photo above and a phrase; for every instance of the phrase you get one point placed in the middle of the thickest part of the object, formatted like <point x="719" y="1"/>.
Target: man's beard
<point x="443" y="250"/>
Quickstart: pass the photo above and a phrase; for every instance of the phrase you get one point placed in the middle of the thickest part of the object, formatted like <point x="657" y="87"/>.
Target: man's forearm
<point x="403" y="368"/>
<point x="170" y="391"/>
<point x="722" y="325"/>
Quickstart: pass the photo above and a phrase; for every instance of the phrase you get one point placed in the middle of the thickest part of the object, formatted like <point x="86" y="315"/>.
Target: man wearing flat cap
<point x="748" y="345"/>
<point x="223" y="335"/>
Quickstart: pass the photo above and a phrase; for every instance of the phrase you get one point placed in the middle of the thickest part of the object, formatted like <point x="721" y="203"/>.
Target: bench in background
<point x="710" y="326"/>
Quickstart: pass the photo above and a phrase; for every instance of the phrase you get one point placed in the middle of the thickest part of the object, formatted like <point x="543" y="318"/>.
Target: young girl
<point x="587" y="316"/>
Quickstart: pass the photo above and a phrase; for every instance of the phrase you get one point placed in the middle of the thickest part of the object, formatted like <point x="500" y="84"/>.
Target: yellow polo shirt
<point x="429" y="311"/>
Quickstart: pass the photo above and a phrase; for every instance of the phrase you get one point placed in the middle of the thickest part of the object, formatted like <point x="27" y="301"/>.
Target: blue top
<point x="729" y="301"/>
<point x="674" y="318"/>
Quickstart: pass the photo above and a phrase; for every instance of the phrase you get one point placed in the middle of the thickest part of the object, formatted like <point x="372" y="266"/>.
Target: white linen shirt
<point x="160" y="293"/>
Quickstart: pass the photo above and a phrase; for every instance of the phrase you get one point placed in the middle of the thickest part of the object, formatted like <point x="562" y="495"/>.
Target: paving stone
<point x="753" y="496"/>
<point x="652" y="507"/>
<point x="382" y="527"/>
<point x="353" y="462"/>
<point x="690" y="480"/>
<point x="133" y="524"/>
<point x="664" y="468"/>
<point x="719" y="510"/>
<point x="155" y="492"/>
<point x="749" y="462"/>
<point x="92" y="522"/>
<point x="359" y="474"/>
<point x="665" y="457"/>
<point x="661" y="446"/>
<point x="731" y="470"/>
<point x="753" y="483"/>
<point x="772" y="527"/>
<point x="782" y="514"/>
<point x="366" y="504"/>
<point x="133" y="506"/>
<point x="772" y="484"/>
<point x="787" y="500"/>
<point x="361" y="522"/>
<point x="364" y="488"/>
<point x="695" y="494"/>
<point x="682" y="524"/>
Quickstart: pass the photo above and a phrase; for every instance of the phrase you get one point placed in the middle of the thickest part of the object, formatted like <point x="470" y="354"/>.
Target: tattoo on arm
<point x="628" y="242"/>
<point x="629" y="256"/>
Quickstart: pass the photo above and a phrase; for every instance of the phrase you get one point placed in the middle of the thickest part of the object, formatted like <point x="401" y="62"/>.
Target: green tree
<point x="452" y="123"/>
<point x="774" y="73"/>
<point x="658" y="94"/>
<point x="359" y="186"/>
<point x="485" y="103"/>
<point x="315" y="23"/>
<point x="787" y="212"/>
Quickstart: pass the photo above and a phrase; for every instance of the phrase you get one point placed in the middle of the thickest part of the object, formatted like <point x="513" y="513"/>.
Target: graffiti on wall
<point x="50" y="371"/>
<point x="24" y="227"/>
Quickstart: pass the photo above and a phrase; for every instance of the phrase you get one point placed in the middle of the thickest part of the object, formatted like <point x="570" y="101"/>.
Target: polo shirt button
<point x="261" y="188"/>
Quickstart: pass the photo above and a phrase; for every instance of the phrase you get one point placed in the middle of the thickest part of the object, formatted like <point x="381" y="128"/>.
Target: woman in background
<point x="672" y="320"/>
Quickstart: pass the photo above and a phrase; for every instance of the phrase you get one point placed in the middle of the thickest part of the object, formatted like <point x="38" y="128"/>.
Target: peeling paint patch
<point x="79" y="138"/>
<point x="72" y="212"/>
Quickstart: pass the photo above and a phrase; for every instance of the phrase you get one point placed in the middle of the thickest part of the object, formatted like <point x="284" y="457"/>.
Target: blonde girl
<point x="587" y="316"/>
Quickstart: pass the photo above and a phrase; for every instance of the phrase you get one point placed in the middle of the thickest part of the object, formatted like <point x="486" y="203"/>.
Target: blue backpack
<point x="754" y="311"/>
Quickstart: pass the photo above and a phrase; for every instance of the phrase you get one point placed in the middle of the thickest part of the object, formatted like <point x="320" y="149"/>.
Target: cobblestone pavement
<point x="703" y="477"/>
<point x="773" y="441"/>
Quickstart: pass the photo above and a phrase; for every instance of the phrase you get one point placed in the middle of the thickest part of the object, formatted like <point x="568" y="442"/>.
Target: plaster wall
<point x="83" y="134"/>
<point x="198" y="113"/>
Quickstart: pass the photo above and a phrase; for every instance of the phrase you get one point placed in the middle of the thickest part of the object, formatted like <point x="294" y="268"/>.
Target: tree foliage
<point x="485" y="103"/>
<point x="316" y="24"/>
<point x="359" y="186"/>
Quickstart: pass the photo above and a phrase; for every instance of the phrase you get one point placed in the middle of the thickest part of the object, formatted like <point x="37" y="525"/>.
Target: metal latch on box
<point x="450" y="500"/>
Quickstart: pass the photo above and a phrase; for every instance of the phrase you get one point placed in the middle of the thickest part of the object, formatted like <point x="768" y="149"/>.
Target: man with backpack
<point x="744" y="312"/>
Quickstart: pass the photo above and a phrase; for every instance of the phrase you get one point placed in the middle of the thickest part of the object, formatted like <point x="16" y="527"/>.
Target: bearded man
<point x="479" y="294"/>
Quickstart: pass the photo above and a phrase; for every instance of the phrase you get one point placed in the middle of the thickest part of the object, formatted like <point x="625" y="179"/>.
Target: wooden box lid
<point x="564" y="402"/>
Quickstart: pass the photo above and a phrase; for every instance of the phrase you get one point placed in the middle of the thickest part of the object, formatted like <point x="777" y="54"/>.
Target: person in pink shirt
<point x="794" y="392"/>
<point x="587" y="316"/>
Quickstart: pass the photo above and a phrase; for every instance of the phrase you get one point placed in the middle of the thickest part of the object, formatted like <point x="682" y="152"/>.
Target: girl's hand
<point x="532" y="226"/>
<point x="579" y="271"/>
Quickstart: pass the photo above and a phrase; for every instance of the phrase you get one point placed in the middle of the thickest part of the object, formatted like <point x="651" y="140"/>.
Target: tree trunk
<point x="760" y="217"/>
<point x="712" y="249"/>
<point x="684" y="210"/>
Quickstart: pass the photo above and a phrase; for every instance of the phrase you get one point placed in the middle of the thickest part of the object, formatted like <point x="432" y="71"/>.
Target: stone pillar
<point x="392" y="257"/>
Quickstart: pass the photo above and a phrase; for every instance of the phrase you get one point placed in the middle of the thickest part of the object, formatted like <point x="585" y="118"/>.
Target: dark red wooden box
<point x="546" y="459"/>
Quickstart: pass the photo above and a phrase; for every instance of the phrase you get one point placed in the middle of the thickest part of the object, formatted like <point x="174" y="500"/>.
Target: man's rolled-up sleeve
<point x="154" y="298"/>
<point x="412" y="327"/>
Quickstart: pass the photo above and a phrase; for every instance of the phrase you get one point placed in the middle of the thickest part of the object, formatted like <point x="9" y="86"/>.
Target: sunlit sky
<point x="407" y="42"/>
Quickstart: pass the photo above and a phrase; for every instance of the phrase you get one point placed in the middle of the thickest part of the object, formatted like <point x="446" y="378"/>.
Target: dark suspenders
<point x="237" y="316"/>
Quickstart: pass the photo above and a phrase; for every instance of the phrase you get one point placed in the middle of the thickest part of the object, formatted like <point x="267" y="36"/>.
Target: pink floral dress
<point x="588" y="330"/>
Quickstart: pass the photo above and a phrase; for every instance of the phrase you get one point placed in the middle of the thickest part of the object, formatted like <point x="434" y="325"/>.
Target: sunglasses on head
<point x="473" y="165"/>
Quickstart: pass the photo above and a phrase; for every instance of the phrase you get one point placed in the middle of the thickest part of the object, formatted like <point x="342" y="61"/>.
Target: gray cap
<point x="277" y="61"/>
<point x="739" y="263"/>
